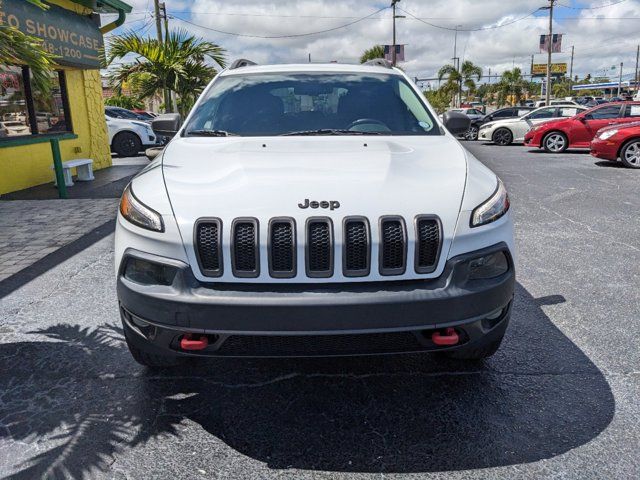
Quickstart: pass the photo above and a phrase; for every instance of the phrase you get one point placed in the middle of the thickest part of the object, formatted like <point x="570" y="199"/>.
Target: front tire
<point x="126" y="144"/>
<point x="502" y="137"/>
<point x="630" y="154"/>
<point x="472" y="133"/>
<point x="555" y="142"/>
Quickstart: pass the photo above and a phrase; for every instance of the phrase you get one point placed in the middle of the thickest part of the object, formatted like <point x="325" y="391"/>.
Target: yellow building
<point x="73" y="111"/>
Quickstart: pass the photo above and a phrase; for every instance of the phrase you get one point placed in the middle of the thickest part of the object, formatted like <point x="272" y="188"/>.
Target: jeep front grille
<point x="284" y="254"/>
<point x="427" y="244"/>
<point x="319" y="248"/>
<point x="209" y="251"/>
<point x="357" y="247"/>
<point x="393" y="246"/>
<point x="245" y="253"/>
<point x="282" y="248"/>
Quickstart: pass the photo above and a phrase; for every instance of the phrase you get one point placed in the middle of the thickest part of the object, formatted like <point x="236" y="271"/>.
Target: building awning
<point x="105" y="6"/>
<point x="605" y="85"/>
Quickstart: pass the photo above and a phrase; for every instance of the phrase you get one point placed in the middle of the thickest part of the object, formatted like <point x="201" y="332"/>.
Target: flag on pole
<point x="388" y="53"/>
<point x="556" y="43"/>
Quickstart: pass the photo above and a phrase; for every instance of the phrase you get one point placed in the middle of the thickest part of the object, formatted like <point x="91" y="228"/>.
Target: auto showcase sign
<point x="75" y="39"/>
<point x="557" y="69"/>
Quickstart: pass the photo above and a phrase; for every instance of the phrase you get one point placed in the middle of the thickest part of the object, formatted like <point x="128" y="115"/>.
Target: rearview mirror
<point x="457" y="123"/>
<point x="166" y="125"/>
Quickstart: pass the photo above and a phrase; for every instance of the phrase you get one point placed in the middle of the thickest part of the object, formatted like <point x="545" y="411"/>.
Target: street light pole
<point x="393" y="47"/>
<point x="636" y="77"/>
<point x="620" y="80"/>
<point x="552" y="4"/>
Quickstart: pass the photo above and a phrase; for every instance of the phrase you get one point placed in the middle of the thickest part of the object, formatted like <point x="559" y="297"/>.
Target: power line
<point x="591" y="8"/>
<point x="492" y="27"/>
<point x="297" y="35"/>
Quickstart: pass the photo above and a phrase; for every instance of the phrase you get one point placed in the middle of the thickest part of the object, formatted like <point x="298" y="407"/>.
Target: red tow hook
<point x="446" y="339"/>
<point x="188" y="342"/>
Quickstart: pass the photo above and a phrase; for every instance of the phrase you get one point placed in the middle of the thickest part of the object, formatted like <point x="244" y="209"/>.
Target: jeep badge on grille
<point x="331" y="205"/>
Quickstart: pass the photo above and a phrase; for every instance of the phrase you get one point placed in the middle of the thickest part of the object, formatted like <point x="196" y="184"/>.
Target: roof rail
<point x="241" y="62"/>
<point x="379" y="62"/>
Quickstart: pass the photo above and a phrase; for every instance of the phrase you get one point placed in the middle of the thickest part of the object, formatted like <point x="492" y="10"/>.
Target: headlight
<point x="140" y="124"/>
<point x="494" y="208"/>
<point x="608" y="134"/>
<point x="138" y="213"/>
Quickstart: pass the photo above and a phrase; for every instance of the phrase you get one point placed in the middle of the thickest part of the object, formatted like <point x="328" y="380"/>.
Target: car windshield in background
<point x="311" y="104"/>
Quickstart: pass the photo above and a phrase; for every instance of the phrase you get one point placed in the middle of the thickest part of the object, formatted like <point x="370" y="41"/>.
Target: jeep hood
<point x="263" y="178"/>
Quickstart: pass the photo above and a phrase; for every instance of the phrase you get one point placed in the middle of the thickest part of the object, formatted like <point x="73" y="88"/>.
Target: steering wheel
<point x="368" y="121"/>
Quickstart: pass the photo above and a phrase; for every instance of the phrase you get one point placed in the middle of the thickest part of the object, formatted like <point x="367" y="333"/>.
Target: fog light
<point x="489" y="266"/>
<point x="148" y="273"/>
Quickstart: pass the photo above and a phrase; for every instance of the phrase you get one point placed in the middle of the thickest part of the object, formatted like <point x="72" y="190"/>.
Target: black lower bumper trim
<point x="190" y="306"/>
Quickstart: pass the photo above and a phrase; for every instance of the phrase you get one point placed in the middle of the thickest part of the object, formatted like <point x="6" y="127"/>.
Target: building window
<point x="24" y="110"/>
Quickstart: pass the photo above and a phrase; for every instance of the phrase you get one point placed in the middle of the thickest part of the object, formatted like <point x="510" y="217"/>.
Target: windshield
<point x="306" y="104"/>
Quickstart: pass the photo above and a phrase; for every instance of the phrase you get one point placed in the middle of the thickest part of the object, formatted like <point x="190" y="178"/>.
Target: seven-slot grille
<point x="319" y="246"/>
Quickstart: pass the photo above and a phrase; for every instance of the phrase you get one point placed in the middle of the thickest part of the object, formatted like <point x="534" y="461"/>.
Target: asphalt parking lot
<point x="559" y="400"/>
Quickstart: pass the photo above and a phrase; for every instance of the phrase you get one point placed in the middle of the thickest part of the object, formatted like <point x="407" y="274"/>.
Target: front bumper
<point x="485" y="134"/>
<point x="605" y="149"/>
<point x="155" y="317"/>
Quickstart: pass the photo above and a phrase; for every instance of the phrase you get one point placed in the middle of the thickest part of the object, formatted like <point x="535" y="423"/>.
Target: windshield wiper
<point x="210" y="133"/>
<point x="330" y="131"/>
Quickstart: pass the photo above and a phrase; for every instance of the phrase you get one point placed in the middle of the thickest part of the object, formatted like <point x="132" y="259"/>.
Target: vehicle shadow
<point x="78" y="393"/>
<point x="609" y="164"/>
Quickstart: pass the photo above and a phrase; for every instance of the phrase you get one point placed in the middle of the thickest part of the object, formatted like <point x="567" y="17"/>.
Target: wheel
<point x="555" y="142"/>
<point x="126" y="144"/>
<point x="630" y="154"/>
<point x="153" y="360"/>
<point x="483" y="348"/>
<point x="472" y="133"/>
<point x="502" y="137"/>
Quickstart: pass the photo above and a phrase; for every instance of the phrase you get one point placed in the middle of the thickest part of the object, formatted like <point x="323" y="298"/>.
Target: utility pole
<point x="156" y="6"/>
<point x="552" y="4"/>
<point x="636" y="77"/>
<point x="489" y="76"/>
<point x="620" y="80"/>
<point x="167" y="94"/>
<point x="456" y="65"/>
<point x="573" y="50"/>
<point x="393" y="51"/>
<point x="163" y="7"/>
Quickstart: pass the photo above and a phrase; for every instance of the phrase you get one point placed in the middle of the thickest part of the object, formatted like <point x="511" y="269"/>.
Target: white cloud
<point x="599" y="43"/>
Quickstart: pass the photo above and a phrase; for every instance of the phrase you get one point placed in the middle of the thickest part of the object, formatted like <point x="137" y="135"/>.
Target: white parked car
<point x="128" y="137"/>
<point x="312" y="210"/>
<point x="13" y="129"/>
<point x="513" y="130"/>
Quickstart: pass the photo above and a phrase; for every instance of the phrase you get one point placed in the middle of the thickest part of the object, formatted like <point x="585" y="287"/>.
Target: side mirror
<point x="166" y="125"/>
<point x="457" y="123"/>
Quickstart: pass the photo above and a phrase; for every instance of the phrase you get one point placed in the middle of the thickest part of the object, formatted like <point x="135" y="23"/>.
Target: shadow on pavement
<point x="609" y="164"/>
<point x="81" y="395"/>
<point x="55" y="258"/>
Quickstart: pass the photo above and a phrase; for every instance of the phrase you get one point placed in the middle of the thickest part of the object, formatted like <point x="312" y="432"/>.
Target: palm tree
<point x="377" y="51"/>
<point x="511" y="85"/>
<point x="17" y="48"/>
<point x="467" y="76"/>
<point x="176" y="65"/>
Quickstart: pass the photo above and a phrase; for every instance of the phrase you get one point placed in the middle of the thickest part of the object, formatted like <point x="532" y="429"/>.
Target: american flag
<point x="556" y="44"/>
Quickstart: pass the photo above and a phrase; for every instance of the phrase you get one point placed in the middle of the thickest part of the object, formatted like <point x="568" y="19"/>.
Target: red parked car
<point x="577" y="132"/>
<point x="618" y="141"/>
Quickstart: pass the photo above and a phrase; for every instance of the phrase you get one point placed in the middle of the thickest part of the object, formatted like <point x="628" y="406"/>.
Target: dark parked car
<point x="118" y="112"/>
<point x="501" y="114"/>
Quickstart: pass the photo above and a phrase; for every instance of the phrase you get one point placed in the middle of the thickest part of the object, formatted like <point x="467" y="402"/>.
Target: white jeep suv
<point x="313" y="210"/>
